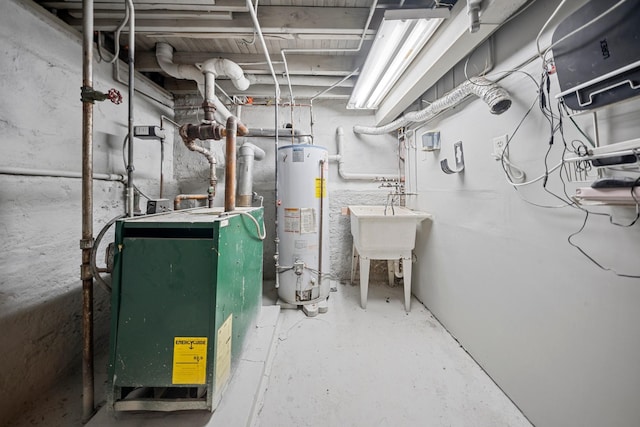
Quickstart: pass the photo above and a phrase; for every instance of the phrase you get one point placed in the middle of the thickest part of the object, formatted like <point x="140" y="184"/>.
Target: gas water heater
<point x="303" y="227"/>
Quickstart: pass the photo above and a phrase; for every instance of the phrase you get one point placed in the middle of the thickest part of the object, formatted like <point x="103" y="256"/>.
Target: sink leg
<point x="406" y="278"/>
<point x="364" y="280"/>
<point x="391" y="272"/>
<point x="354" y="263"/>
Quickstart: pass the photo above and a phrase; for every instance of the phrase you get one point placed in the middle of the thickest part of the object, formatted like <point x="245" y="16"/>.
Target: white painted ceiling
<point x="329" y="32"/>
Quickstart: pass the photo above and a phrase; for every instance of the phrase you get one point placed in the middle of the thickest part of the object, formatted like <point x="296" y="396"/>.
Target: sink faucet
<point x="389" y="202"/>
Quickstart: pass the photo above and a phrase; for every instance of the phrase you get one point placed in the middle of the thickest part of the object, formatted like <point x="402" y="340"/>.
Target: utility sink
<point x="383" y="232"/>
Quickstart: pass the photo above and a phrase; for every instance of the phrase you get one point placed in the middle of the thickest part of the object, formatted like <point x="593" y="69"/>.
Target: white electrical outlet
<point x="499" y="145"/>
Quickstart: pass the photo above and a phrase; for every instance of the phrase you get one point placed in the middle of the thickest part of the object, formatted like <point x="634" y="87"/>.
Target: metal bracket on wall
<point x="459" y="154"/>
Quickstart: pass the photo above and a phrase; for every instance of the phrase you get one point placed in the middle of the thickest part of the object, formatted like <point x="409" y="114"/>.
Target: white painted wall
<point x="558" y="335"/>
<point x="40" y="217"/>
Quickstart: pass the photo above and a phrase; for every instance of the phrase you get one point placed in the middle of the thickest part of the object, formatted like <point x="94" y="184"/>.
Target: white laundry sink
<point x="374" y="231"/>
<point x="381" y="232"/>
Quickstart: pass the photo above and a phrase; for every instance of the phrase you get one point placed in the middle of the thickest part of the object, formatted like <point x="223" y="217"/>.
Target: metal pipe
<point x="180" y="197"/>
<point x="230" y="170"/>
<point x="289" y="133"/>
<point x="247" y="154"/>
<point x="7" y="170"/>
<point x="256" y="26"/>
<point x="130" y="168"/>
<point x="213" y="179"/>
<point x="372" y="10"/>
<point x="86" y="243"/>
<point x="321" y="228"/>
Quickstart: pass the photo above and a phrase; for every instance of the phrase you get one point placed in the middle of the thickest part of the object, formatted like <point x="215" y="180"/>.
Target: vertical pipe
<point x="230" y="170"/>
<point x="132" y="45"/>
<point x="321" y="228"/>
<point x="256" y="26"/>
<point x="87" y="214"/>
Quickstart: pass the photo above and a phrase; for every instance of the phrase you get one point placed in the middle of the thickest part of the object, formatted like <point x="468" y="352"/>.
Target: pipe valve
<point x="89" y="95"/>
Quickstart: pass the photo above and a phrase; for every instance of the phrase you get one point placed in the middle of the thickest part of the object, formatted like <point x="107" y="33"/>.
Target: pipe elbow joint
<point x="226" y="67"/>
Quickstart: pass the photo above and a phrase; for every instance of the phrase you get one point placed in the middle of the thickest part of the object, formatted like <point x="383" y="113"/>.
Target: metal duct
<point x="496" y="97"/>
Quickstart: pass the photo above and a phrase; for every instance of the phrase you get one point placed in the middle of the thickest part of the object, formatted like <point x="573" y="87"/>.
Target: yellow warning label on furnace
<point x="223" y="352"/>
<point x="189" y="360"/>
<point x="321" y="190"/>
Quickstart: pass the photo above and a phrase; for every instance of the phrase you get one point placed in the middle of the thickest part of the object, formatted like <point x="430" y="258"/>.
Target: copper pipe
<point x="321" y="228"/>
<point x="180" y="197"/>
<point x="230" y="170"/>
<point x="87" y="215"/>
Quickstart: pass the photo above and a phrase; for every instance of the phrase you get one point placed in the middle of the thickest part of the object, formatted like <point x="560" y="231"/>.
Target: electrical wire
<point x="126" y="164"/>
<point x="261" y="234"/>
<point x="116" y="39"/>
<point x="253" y="40"/>
<point x="544" y="27"/>
<point x="94" y="250"/>
<point x="589" y="257"/>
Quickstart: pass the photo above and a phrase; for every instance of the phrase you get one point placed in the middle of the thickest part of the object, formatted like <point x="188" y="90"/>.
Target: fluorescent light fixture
<point x="396" y="45"/>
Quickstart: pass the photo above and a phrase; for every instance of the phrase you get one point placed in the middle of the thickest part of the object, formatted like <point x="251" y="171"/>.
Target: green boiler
<point x="186" y="291"/>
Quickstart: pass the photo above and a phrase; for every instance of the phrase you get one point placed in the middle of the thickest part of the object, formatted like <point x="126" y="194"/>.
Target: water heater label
<point x="307" y="220"/>
<point x="223" y="352"/>
<point x="298" y="154"/>
<point x="291" y="220"/>
<point x="321" y="188"/>
<point x="189" y="360"/>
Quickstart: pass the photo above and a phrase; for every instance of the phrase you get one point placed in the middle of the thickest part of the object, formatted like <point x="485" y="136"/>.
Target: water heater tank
<point x="303" y="224"/>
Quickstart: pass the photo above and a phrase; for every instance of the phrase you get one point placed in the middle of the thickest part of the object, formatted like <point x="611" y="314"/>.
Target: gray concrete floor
<point x="377" y="367"/>
<point x="348" y="367"/>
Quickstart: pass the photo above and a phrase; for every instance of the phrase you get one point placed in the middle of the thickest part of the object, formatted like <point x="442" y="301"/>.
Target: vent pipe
<point x="247" y="154"/>
<point x="204" y="75"/>
<point x="491" y="93"/>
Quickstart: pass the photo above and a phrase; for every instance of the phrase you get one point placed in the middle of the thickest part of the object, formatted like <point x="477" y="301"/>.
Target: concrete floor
<point x="377" y="367"/>
<point x="348" y="367"/>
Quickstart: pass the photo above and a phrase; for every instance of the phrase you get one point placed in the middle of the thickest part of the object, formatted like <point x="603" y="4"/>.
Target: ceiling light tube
<point x="385" y="45"/>
<point x="420" y="34"/>
<point x="396" y="45"/>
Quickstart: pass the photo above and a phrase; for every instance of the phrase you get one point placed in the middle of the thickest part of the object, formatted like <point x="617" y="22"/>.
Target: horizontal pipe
<point x="6" y="170"/>
<point x="180" y="197"/>
<point x="355" y="176"/>
<point x="284" y="133"/>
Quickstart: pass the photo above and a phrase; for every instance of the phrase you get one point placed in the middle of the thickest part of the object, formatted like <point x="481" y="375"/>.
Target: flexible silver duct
<point x="494" y="96"/>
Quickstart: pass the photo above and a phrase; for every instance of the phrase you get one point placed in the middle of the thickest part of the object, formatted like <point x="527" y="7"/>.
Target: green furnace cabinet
<point x="187" y="288"/>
